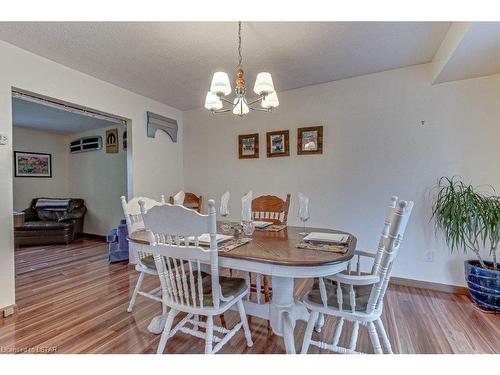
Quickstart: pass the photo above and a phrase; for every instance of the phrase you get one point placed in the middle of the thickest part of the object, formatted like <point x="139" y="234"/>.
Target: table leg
<point x="158" y="322"/>
<point x="285" y="311"/>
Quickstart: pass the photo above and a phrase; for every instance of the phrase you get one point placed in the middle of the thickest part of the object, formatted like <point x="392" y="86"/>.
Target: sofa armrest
<point x="30" y="215"/>
<point x="75" y="214"/>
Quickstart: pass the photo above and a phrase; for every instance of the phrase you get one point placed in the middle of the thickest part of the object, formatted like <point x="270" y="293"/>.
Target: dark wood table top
<point x="278" y="248"/>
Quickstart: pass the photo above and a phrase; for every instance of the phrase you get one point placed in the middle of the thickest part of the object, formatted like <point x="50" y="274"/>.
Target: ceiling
<point x="477" y="54"/>
<point x="41" y="117"/>
<point x="173" y="62"/>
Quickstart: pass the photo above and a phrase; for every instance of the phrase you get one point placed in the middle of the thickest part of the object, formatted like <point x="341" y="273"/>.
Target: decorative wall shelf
<point x="157" y="122"/>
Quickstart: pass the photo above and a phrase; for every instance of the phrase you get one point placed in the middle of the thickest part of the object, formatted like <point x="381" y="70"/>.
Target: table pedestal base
<point x="285" y="311"/>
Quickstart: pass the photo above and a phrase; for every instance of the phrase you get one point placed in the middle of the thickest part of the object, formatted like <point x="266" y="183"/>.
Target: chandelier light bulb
<point x="270" y="101"/>
<point x="212" y="102"/>
<point x="220" y="84"/>
<point x="263" y="84"/>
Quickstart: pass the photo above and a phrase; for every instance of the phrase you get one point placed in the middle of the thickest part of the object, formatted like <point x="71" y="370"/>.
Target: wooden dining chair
<point x="174" y="235"/>
<point x="271" y="208"/>
<point x="355" y="297"/>
<point x="191" y="201"/>
<point x="145" y="264"/>
<point x="274" y="210"/>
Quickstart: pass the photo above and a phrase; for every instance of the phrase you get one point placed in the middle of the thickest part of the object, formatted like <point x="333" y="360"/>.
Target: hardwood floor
<point x="70" y="300"/>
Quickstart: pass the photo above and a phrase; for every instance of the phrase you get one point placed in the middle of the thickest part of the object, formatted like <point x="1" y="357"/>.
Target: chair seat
<point x="149" y="262"/>
<point x="362" y="295"/>
<point x="230" y="286"/>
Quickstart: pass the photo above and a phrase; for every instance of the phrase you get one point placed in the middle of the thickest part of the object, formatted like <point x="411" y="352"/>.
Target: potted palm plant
<point x="470" y="220"/>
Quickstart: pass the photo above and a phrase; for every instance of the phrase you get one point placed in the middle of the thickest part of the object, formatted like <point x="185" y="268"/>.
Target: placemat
<point x="333" y="248"/>
<point x="233" y="244"/>
<point x="273" y="228"/>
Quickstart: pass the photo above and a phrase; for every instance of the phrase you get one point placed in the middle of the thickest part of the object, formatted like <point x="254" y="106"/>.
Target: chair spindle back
<point x="174" y="233"/>
<point x="271" y="208"/>
<point x="390" y="241"/>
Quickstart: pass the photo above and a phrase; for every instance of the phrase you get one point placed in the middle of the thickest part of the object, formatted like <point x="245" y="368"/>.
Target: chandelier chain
<point x="239" y="45"/>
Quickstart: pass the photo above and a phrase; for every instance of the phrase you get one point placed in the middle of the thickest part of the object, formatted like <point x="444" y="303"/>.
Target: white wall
<point x="155" y="165"/>
<point x="100" y="179"/>
<point x="27" y="188"/>
<point x="374" y="146"/>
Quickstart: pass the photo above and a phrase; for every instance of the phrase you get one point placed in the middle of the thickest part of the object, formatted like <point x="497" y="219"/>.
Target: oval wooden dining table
<point x="275" y="254"/>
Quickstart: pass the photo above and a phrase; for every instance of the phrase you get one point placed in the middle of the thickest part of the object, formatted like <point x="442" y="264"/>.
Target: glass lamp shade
<point x="241" y="107"/>
<point x="212" y="102"/>
<point x="263" y="84"/>
<point x="220" y="84"/>
<point x="270" y="101"/>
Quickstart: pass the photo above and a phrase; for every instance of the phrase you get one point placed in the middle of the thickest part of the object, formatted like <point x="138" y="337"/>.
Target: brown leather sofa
<point x="51" y="225"/>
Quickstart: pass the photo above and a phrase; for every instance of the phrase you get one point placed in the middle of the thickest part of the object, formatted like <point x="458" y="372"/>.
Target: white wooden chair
<point x="356" y="297"/>
<point x="174" y="234"/>
<point x="144" y="261"/>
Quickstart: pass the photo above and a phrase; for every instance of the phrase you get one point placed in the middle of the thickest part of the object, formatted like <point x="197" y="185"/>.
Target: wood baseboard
<point x="97" y="237"/>
<point x="429" y="285"/>
<point x="7" y="311"/>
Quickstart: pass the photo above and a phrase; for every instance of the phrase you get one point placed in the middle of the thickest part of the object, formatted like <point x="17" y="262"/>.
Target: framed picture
<point x="310" y="140"/>
<point x="248" y="146"/>
<point x="32" y="164"/>
<point x="278" y="143"/>
<point x="112" y="141"/>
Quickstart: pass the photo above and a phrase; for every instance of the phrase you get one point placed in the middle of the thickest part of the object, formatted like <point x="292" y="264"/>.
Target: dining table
<point x="275" y="254"/>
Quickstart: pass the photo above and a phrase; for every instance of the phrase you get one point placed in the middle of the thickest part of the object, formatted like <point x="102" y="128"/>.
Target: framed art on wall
<point x="278" y="143"/>
<point x="112" y="141"/>
<point x="310" y="140"/>
<point x="248" y="146"/>
<point x="32" y="164"/>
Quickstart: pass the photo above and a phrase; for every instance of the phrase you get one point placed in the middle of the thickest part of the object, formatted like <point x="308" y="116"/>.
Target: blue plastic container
<point x="118" y="243"/>
<point x="484" y="285"/>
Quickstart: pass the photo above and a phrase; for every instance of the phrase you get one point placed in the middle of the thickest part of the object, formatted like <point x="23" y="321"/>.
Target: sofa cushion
<point x="44" y="225"/>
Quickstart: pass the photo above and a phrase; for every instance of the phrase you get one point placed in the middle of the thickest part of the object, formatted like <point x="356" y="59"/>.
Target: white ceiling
<point x="477" y="54"/>
<point x="173" y="62"/>
<point x="41" y="117"/>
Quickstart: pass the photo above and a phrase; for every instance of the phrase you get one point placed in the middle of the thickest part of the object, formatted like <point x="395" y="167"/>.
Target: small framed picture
<point x="310" y="140"/>
<point x="278" y="143"/>
<point x="248" y="146"/>
<point x="112" y="141"/>
<point x="32" y="164"/>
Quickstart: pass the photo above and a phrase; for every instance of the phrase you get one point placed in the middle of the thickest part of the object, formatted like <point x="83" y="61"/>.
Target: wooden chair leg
<point x="354" y="336"/>
<point x="222" y="320"/>
<point x="136" y="290"/>
<point x="374" y="338"/>
<point x="267" y="291"/>
<point x="166" y="332"/>
<point x="246" y="328"/>
<point x="309" y="330"/>
<point x="209" y="335"/>
<point x="267" y="298"/>
<point x="383" y="334"/>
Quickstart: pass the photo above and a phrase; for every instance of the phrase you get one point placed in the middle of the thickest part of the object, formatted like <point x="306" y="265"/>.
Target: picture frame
<point x="248" y="146"/>
<point x="278" y="143"/>
<point x="310" y="140"/>
<point x="112" y="141"/>
<point x="32" y="164"/>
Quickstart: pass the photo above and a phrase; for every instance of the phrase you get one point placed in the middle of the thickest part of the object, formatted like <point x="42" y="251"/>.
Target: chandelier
<point x="240" y="106"/>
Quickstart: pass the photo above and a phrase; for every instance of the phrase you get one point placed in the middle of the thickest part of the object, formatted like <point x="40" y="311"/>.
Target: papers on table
<point x="337" y="238"/>
<point x="205" y="238"/>
<point x="261" y="224"/>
